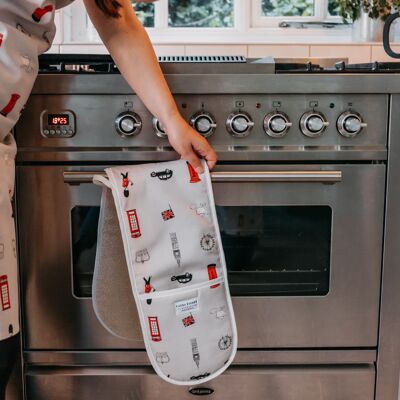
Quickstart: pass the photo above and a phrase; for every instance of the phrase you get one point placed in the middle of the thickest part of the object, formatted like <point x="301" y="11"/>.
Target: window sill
<point x="310" y="36"/>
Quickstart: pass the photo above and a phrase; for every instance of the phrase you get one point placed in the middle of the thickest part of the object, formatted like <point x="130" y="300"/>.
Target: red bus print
<point x="154" y="329"/>
<point x="212" y="274"/>
<point x="134" y="224"/>
<point x="4" y="293"/>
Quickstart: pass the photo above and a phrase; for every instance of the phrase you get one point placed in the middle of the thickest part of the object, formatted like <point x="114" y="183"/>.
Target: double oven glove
<point x="177" y="268"/>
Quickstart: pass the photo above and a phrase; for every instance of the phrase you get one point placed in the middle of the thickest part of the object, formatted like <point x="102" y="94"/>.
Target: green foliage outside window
<point x="145" y="12"/>
<point x="288" y="8"/>
<point x="219" y="13"/>
<point x="201" y="13"/>
<point x="295" y="8"/>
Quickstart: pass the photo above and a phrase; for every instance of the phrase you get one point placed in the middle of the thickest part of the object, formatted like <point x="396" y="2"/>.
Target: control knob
<point x="204" y="123"/>
<point x="239" y="124"/>
<point x="158" y="128"/>
<point x="276" y="124"/>
<point x="313" y="124"/>
<point x="350" y="124"/>
<point x="128" y="124"/>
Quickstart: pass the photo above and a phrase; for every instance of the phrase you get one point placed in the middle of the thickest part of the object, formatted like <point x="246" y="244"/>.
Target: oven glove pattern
<point x="176" y="267"/>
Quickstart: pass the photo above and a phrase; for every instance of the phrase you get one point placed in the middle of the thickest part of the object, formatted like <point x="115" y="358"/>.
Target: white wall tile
<point x="55" y="49"/>
<point x="378" y="53"/>
<point x="167" y="50"/>
<point x="282" y="51"/>
<point x="83" y="49"/>
<point x="216" y="50"/>
<point x="354" y="53"/>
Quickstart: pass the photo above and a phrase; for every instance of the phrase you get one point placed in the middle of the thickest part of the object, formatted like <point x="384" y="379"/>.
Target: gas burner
<point x="288" y="68"/>
<point x="72" y="63"/>
<point x="377" y="67"/>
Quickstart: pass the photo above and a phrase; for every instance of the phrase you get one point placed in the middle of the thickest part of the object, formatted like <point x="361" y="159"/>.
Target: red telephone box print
<point x="154" y="329"/>
<point x="134" y="224"/>
<point x="4" y="293"/>
<point x="212" y="274"/>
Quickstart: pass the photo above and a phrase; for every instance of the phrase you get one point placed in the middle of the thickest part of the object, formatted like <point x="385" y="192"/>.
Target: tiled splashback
<point x="355" y="53"/>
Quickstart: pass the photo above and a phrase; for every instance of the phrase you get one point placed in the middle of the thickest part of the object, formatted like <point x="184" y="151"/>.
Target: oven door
<point x="303" y="246"/>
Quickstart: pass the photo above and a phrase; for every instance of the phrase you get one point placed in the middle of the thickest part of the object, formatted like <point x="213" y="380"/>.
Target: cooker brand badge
<point x="142" y="256"/>
<point x="184" y="278"/>
<point x="148" y="288"/>
<point x="201" y="391"/>
<point x="40" y="12"/>
<point x="4" y="293"/>
<point x="185" y="306"/>
<point x="134" y="224"/>
<point x="212" y="274"/>
<point x="194" y="176"/>
<point x="207" y="242"/>
<point x="175" y="248"/>
<point x="195" y="352"/>
<point x="162" y="175"/>
<point x="154" y="329"/>
<point x="1" y="39"/>
<point x="225" y="342"/>
<point x="10" y="105"/>
<point x="126" y="182"/>
<point x="188" y="321"/>
<point x="168" y="214"/>
<point x="162" y="358"/>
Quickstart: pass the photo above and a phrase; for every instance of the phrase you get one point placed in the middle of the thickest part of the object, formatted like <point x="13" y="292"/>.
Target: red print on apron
<point x="4" y="293"/>
<point x="40" y="12"/>
<point x="10" y="105"/>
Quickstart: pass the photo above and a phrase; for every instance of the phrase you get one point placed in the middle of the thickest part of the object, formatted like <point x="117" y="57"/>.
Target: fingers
<point x="203" y="148"/>
<point x="190" y="156"/>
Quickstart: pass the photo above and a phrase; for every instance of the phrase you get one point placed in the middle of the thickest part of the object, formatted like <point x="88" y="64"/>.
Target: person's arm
<point x="130" y="47"/>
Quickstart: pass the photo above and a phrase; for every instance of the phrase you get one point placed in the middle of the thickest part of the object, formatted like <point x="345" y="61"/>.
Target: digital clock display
<point x="58" y="119"/>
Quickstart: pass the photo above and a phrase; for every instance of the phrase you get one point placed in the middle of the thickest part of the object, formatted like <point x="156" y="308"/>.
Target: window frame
<point x="247" y="29"/>
<point x="321" y="13"/>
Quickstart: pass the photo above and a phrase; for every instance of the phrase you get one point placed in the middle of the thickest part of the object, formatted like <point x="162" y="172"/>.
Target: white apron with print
<point x="9" y="323"/>
<point x="26" y="30"/>
<point x="177" y="268"/>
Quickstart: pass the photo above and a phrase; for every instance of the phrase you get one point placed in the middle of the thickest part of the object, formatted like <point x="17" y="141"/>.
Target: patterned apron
<point x="26" y="30"/>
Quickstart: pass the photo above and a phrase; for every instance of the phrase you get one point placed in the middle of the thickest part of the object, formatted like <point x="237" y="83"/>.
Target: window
<point x="200" y="13"/>
<point x="223" y="21"/>
<point x="269" y="13"/>
<point x="145" y="12"/>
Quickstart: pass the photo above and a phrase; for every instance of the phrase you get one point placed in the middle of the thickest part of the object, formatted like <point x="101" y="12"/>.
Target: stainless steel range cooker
<point x="307" y="197"/>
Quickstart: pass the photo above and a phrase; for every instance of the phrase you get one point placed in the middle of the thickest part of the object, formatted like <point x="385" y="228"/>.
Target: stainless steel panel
<point x="388" y="366"/>
<point x="226" y="83"/>
<point x="346" y="317"/>
<point x="98" y="132"/>
<point x="225" y="153"/>
<point x="252" y="383"/>
<point x="243" y="357"/>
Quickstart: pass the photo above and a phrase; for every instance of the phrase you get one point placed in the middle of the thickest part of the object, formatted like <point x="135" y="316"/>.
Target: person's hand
<point x="189" y="144"/>
<point x="145" y="1"/>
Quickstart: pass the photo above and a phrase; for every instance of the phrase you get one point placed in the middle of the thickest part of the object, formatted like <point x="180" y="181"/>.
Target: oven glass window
<point x="277" y="250"/>
<point x="269" y="250"/>
<point x="84" y="222"/>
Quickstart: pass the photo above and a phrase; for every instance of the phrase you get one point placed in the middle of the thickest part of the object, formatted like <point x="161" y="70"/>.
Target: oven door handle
<point x="77" y="177"/>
